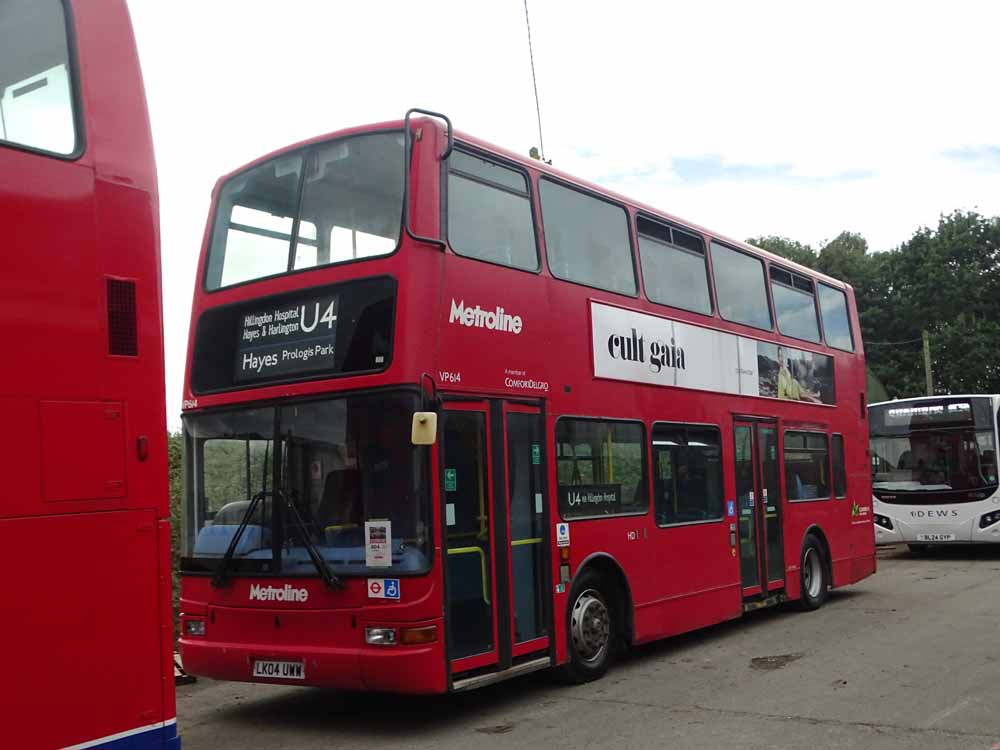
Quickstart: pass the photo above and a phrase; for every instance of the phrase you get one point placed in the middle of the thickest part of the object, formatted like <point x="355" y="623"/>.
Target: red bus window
<point x="739" y="287"/>
<point x="346" y="197"/>
<point x="687" y="474"/>
<point x="839" y="475"/>
<point x="807" y="458"/>
<point x="489" y="213"/>
<point x="673" y="267"/>
<point x="836" y="323"/>
<point x="587" y="239"/>
<point x="36" y="86"/>
<point x="601" y="468"/>
<point x="794" y="304"/>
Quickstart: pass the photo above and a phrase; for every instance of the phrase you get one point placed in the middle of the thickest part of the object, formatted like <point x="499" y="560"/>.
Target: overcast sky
<point x="749" y="118"/>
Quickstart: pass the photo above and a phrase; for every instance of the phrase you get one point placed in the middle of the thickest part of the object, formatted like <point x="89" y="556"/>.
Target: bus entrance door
<point x="496" y="544"/>
<point x="758" y="500"/>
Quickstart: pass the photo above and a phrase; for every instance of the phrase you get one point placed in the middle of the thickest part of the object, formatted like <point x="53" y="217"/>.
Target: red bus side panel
<point x="73" y="602"/>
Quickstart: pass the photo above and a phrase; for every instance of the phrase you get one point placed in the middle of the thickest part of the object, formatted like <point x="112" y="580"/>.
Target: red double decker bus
<point x="84" y="520"/>
<point x="453" y="416"/>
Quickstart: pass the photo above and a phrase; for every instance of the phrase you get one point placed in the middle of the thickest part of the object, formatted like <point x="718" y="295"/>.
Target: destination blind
<point x="318" y="332"/>
<point x="287" y="340"/>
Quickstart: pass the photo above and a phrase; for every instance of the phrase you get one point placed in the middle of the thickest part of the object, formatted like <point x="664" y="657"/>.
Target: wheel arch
<point x="611" y="570"/>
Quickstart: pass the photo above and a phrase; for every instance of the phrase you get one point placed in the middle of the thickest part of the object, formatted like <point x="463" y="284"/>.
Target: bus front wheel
<point x="813" y="581"/>
<point x="590" y="629"/>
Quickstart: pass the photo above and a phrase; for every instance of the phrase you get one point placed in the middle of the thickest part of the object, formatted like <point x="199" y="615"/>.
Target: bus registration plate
<point x="935" y="537"/>
<point x="279" y="670"/>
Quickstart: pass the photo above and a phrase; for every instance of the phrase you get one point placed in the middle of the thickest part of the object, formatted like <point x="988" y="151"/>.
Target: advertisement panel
<point x="640" y="348"/>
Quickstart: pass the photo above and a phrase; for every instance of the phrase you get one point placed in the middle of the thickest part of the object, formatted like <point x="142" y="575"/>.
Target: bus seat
<point x="340" y="501"/>
<point x="214" y="539"/>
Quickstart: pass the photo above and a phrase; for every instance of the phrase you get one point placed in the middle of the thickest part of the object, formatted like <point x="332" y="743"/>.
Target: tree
<point x="945" y="280"/>
<point x="175" y="473"/>
<point x="786" y="248"/>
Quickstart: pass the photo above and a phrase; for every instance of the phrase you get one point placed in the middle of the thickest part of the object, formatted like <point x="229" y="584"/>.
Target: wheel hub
<point x="590" y="625"/>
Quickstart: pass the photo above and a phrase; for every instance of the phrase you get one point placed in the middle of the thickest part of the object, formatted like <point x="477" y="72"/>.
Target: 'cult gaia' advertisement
<point x="641" y="348"/>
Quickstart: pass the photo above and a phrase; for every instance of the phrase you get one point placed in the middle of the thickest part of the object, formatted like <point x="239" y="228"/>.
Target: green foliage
<point x="175" y="473"/>
<point x="786" y="248"/>
<point x="944" y="280"/>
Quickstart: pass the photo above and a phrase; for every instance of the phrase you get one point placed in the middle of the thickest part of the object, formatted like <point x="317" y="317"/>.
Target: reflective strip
<point x="122" y="735"/>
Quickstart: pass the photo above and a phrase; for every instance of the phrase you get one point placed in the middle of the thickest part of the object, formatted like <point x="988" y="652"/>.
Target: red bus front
<point x="333" y="389"/>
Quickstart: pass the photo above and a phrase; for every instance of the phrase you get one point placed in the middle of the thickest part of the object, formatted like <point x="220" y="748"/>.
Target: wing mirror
<point x="425" y="427"/>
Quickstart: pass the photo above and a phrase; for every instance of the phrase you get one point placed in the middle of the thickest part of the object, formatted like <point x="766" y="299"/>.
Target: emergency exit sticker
<point x="450" y="480"/>
<point x="536" y="454"/>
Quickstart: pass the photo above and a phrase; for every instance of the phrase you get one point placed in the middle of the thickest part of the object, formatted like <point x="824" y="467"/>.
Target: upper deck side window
<point x="836" y="322"/>
<point x="37" y="108"/>
<point x="739" y="287"/>
<point x="674" y="270"/>
<point x="794" y="304"/>
<point x="489" y="212"/>
<point x="342" y="200"/>
<point x="587" y="239"/>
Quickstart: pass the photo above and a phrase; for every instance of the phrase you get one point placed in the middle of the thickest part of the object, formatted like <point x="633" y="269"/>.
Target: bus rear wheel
<point x="813" y="581"/>
<point x="590" y="629"/>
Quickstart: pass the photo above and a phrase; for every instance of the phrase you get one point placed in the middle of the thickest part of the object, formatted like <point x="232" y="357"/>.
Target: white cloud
<point x="886" y="90"/>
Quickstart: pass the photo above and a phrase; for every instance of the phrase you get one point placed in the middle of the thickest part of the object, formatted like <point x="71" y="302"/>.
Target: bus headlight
<point x="380" y="636"/>
<point x="989" y="519"/>
<point x="194" y="627"/>
<point x="884" y="521"/>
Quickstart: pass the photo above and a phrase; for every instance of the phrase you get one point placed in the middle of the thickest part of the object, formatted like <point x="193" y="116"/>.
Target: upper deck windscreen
<point x="334" y="202"/>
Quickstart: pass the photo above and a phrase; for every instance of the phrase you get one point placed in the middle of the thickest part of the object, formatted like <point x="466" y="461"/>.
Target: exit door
<point x="495" y="533"/>
<point x="758" y="501"/>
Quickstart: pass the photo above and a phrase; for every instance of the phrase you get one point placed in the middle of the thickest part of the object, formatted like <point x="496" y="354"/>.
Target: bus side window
<point x="36" y="88"/>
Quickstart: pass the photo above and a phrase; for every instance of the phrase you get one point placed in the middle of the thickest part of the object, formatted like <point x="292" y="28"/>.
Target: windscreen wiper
<point x="328" y="576"/>
<point x="221" y="577"/>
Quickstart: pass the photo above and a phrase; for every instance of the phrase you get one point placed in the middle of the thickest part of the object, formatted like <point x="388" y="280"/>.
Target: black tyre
<point x="591" y="628"/>
<point x="813" y="578"/>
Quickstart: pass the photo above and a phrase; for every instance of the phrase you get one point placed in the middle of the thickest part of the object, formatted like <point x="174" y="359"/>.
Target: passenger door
<point x="495" y="535"/>
<point x="758" y="501"/>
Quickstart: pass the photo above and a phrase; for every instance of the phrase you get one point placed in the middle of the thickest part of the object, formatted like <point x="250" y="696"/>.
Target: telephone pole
<point x="927" y="362"/>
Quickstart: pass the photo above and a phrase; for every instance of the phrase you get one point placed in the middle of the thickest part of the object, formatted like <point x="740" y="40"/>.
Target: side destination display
<point x="640" y="348"/>
<point x="287" y="339"/>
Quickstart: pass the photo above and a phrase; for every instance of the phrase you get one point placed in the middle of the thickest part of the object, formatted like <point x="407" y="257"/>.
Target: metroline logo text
<point x="275" y="594"/>
<point x="477" y="317"/>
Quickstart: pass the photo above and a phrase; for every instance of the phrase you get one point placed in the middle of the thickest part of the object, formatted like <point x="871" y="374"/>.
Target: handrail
<point x="482" y="565"/>
<point x="519" y="542"/>
<point x="407" y="144"/>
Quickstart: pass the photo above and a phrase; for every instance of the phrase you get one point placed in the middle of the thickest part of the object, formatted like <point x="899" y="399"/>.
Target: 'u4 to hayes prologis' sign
<point x="287" y="339"/>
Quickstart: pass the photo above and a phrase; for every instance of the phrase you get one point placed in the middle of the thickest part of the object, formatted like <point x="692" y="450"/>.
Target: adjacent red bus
<point x="84" y="523"/>
<point x="452" y="415"/>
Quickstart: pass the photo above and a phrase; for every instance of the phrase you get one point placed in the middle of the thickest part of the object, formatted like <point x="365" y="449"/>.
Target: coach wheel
<point x="813" y="576"/>
<point x="590" y="629"/>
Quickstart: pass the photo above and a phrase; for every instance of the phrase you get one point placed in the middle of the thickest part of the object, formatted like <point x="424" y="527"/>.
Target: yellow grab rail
<point x="519" y="542"/>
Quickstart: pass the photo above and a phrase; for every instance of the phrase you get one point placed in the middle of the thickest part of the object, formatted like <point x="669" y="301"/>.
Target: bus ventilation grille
<point x="122" y="333"/>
